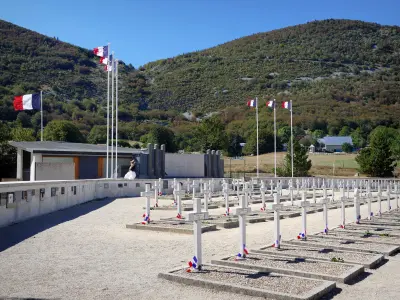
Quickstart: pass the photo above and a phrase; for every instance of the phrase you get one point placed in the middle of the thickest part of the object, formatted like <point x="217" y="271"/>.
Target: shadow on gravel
<point x="16" y="233"/>
<point x="331" y="294"/>
<point x="359" y="278"/>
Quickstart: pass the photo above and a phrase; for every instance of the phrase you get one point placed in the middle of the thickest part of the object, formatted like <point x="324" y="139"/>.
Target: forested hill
<point x="331" y="69"/>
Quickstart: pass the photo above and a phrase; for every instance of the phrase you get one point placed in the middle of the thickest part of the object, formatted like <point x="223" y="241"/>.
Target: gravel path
<point x="269" y="281"/>
<point x="86" y="252"/>
<point x="295" y="264"/>
<point x="320" y="252"/>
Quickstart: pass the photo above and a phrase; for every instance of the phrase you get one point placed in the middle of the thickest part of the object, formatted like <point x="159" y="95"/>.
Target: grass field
<point x="322" y="164"/>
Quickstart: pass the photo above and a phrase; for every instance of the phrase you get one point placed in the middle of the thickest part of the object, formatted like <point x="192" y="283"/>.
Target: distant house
<point x="334" y="143"/>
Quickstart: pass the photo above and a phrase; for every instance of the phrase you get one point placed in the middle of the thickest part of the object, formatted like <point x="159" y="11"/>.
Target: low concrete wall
<point x="184" y="165"/>
<point x="20" y="201"/>
<point x="55" y="171"/>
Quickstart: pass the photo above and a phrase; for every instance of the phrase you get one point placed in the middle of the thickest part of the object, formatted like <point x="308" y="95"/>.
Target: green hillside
<point x="338" y="72"/>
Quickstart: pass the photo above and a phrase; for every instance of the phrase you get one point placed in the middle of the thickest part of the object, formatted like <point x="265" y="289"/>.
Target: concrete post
<point x="20" y="163"/>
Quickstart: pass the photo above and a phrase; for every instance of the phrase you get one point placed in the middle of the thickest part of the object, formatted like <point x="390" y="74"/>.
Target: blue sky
<point x="141" y="31"/>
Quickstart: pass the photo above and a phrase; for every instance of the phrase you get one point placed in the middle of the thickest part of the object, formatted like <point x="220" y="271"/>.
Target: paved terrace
<point x="85" y="252"/>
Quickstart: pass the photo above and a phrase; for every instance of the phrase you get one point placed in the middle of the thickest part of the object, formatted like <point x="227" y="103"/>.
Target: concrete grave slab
<point x="258" y="284"/>
<point x="347" y="244"/>
<point x="368" y="260"/>
<point x="172" y="226"/>
<point x="371" y="229"/>
<point x="303" y="267"/>
<point x="382" y="238"/>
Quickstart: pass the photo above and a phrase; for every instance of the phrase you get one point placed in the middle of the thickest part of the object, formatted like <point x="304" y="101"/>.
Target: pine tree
<point x="301" y="163"/>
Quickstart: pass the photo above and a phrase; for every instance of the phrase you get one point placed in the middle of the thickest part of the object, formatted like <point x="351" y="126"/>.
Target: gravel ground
<point x="317" y="252"/>
<point x="85" y="252"/>
<point x="269" y="281"/>
<point x="348" y="243"/>
<point x="295" y="264"/>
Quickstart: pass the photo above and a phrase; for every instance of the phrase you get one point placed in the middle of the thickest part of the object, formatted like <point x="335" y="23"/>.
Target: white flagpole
<point x="108" y="113"/>
<point x="275" y="135"/>
<point x="41" y="116"/>
<point x="116" y="115"/>
<point x="112" y="115"/>
<point x="257" y="136"/>
<point x="291" y="134"/>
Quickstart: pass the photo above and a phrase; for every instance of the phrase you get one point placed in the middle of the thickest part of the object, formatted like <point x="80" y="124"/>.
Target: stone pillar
<point x="35" y="158"/>
<point x="213" y="167"/>
<point x="150" y="161"/>
<point x="217" y="164"/>
<point x="156" y="161"/>
<point x="162" y="163"/>
<point x="20" y="163"/>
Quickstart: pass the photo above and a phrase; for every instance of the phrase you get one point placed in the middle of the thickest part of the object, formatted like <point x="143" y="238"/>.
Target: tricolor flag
<point x="271" y="103"/>
<point x="27" y="102"/>
<point x="252" y="103"/>
<point x="286" y="104"/>
<point x="101" y="51"/>
<point x="104" y="60"/>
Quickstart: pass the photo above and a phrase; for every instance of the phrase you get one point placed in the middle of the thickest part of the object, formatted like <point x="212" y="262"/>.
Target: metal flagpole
<point x="257" y="136"/>
<point x="275" y="135"/>
<point x="112" y="115"/>
<point x="108" y="112"/>
<point x="291" y="133"/>
<point x="116" y="115"/>
<point x="41" y="116"/>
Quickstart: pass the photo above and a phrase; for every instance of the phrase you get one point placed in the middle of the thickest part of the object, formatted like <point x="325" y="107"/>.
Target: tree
<point x="358" y="138"/>
<point x="378" y="160"/>
<point x="347" y="147"/>
<point x="265" y="141"/>
<point x="318" y="134"/>
<point x="8" y="154"/>
<point x="284" y="134"/>
<point x="98" y="135"/>
<point x="211" y="134"/>
<point x="23" y="119"/>
<point x="234" y="148"/>
<point x="345" y="131"/>
<point x="301" y="163"/>
<point x="64" y="131"/>
<point x="162" y="135"/>
<point x="20" y="134"/>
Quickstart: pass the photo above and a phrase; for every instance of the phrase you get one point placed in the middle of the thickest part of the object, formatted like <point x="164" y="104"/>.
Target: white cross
<point x="147" y="193"/>
<point x="291" y="191"/>
<point x="297" y="187"/>
<point x="246" y="191"/>
<point x="241" y="212"/>
<point x="272" y="187"/>
<point x="276" y="207"/>
<point x="156" y="191"/>
<point x="343" y="210"/>
<point x="379" y="200"/>
<point x="194" y="186"/>
<point x="357" y="206"/>
<point x="304" y="204"/>
<point x="388" y="197"/>
<point x="324" y="203"/>
<point x="263" y="190"/>
<point x="201" y="186"/>
<point x="178" y="193"/>
<point x="314" y="195"/>
<point x="212" y="185"/>
<point x="343" y="192"/>
<point x="196" y="217"/>
<point x="396" y="190"/>
<point x="188" y="185"/>
<point x="225" y="191"/>
<point x="369" y="197"/>
<point x="207" y="196"/>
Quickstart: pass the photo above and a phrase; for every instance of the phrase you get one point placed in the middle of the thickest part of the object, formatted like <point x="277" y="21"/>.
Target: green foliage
<point x="98" y="135"/>
<point x="234" y="148"/>
<point x="347" y="147"/>
<point x="359" y="138"/>
<point x="20" y="134"/>
<point x="318" y="134"/>
<point x="265" y="140"/>
<point x="345" y="131"/>
<point x="378" y="160"/>
<point x="301" y="163"/>
<point x="64" y="131"/>
<point x="162" y="135"/>
<point x="211" y="134"/>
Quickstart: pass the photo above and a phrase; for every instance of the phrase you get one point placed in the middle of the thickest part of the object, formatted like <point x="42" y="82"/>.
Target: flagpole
<point x="291" y="134"/>
<point x="108" y="113"/>
<point x="112" y="115"/>
<point x="116" y="114"/>
<point x="41" y="116"/>
<point x="257" y="136"/>
<point x="275" y="135"/>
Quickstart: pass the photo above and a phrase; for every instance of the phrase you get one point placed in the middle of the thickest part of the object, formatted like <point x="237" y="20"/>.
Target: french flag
<point x="252" y="103"/>
<point x="271" y="103"/>
<point x="27" y="102"/>
<point x="286" y="104"/>
<point x="104" y="60"/>
<point x="101" y="51"/>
